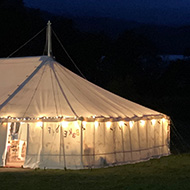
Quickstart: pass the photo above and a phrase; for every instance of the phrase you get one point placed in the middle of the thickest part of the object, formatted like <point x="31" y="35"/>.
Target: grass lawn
<point x="172" y="172"/>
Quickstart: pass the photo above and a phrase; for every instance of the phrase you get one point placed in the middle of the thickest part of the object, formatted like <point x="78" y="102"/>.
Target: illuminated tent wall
<point x="72" y="123"/>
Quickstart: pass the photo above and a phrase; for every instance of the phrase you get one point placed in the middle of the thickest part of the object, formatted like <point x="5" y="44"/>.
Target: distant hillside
<point x="168" y="39"/>
<point x="110" y="26"/>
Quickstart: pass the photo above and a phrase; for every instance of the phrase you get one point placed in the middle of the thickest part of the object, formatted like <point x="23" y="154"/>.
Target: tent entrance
<point x="16" y="145"/>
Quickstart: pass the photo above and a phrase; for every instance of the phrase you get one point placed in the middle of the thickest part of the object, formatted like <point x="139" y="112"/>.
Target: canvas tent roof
<point x="40" y="86"/>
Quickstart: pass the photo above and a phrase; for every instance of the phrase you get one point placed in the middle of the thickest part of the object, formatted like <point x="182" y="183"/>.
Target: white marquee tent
<point x="69" y="122"/>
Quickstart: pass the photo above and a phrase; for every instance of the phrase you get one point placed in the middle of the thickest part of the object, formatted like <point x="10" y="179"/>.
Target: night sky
<point x="174" y="12"/>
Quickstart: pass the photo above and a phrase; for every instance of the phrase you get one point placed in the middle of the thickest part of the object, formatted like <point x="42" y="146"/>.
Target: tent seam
<point x="53" y="92"/>
<point x="74" y="95"/>
<point x="63" y="92"/>
<point x="97" y="95"/>
<point x="34" y="91"/>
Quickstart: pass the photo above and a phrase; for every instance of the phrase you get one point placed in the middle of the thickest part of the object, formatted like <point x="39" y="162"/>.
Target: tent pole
<point x="122" y="139"/>
<point x="162" y="137"/>
<point x="130" y="140"/>
<point x="139" y="142"/>
<point x="27" y="142"/>
<point x="60" y="141"/>
<point x="114" y="143"/>
<point x="154" y="140"/>
<point x="6" y="143"/>
<point x="147" y="142"/>
<point x="63" y="143"/>
<point x="48" y="47"/>
<point x="94" y="144"/>
<point x="81" y="143"/>
<point x="42" y="154"/>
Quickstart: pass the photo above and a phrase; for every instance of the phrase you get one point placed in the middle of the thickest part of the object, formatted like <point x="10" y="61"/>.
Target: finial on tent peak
<point x="49" y="23"/>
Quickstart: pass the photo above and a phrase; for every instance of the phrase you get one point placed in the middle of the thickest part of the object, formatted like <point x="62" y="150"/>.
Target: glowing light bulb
<point x="76" y="124"/>
<point x="39" y="124"/>
<point x="64" y="124"/>
<point x="108" y="124"/>
<point x="153" y="121"/>
<point x="131" y="123"/>
<point x="96" y="124"/>
<point x="121" y="123"/>
<point x="142" y="122"/>
<point x="4" y="124"/>
<point x="84" y="124"/>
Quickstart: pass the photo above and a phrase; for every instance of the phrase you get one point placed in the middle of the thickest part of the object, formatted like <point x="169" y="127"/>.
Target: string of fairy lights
<point x="97" y="120"/>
